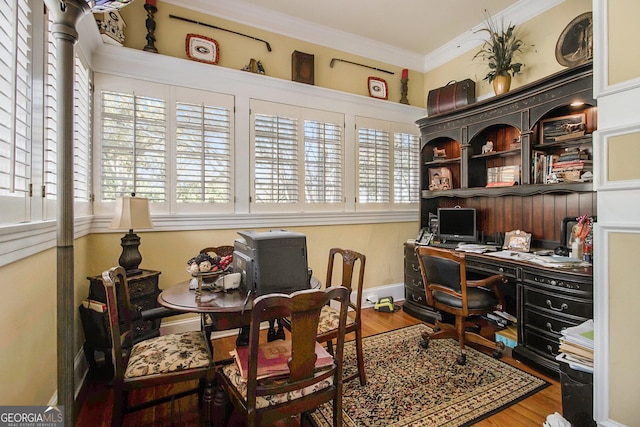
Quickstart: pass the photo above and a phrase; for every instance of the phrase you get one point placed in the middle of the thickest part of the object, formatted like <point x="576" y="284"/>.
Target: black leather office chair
<point x="445" y="281"/>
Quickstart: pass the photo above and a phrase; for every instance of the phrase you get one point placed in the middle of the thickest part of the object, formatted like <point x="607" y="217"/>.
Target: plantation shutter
<point x="203" y="159"/>
<point x="133" y="146"/>
<point x="406" y="176"/>
<point x="82" y="120"/>
<point x="15" y="110"/>
<point x="373" y="164"/>
<point x="323" y="159"/>
<point x="50" y="124"/>
<point x="275" y="159"/>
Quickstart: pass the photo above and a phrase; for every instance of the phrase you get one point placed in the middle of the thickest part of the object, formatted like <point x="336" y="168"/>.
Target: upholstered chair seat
<point x="168" y="353"/>
<point x="329" y="320"/>
<point x="477" y="299"/>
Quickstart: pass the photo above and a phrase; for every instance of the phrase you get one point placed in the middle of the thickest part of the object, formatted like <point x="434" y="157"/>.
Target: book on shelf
<point x="94" y="305"/>
<point x="273" y="358"/>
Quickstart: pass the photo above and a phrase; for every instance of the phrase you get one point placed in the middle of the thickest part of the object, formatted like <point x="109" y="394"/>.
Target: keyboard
<point x="445" y="245"/>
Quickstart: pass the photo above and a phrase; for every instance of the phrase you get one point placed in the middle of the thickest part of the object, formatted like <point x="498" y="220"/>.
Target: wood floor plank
<point x="97" y="399"/>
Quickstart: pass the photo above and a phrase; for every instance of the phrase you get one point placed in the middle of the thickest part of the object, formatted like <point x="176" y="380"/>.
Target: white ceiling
<point x="418" y="26"/>
<point x="416" y="34"/>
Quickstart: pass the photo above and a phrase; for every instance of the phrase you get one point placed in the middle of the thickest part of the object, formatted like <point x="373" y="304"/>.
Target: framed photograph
<point x="562" y="128"/>
<point x="302" y="67"/>
<point x="378" y="88"/>
<point x="517" y="240"/>
<point x="202" y="49"/>
<point x="440" y="179"/>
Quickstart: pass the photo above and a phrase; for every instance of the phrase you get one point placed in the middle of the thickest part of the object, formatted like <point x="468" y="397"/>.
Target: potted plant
<point x="498" y="51"/>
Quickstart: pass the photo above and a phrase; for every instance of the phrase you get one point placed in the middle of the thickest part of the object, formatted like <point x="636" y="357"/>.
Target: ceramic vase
<point x="502" y="83"/>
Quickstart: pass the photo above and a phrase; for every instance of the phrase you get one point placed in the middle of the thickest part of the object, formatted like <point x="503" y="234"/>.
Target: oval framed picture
<point x="378" y="88"/>
<point x="575" y="44"/>
<point x="202" y="49"/>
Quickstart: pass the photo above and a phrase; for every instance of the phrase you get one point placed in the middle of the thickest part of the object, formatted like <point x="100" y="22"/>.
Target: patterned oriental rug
<point x="410" y="386"/>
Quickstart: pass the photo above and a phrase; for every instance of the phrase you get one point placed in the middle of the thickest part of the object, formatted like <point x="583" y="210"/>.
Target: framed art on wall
<point x="378" y="88"/>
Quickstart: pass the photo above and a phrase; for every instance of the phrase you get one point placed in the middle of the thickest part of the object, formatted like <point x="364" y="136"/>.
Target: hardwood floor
<point x="98" y="398"/>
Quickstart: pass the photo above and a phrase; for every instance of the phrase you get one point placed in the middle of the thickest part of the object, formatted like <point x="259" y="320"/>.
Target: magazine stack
<point x="576" y="347"/>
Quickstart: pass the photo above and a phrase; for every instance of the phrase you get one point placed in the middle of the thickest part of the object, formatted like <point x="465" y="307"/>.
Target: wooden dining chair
<point x="448" y="289"/>
<point x="162" y="360"/>
<point x="306" y="386"/>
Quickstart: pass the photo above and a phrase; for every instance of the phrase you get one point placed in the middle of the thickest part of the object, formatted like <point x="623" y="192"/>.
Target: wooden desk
<point x="547" y="300"/>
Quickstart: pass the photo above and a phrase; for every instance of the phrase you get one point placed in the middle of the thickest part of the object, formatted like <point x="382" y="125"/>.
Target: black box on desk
<point x="271" y="261"/>
<point x="577" y="396"/>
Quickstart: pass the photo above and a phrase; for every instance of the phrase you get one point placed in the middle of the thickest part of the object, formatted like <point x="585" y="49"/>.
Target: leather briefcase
<point x="452" y="96"/>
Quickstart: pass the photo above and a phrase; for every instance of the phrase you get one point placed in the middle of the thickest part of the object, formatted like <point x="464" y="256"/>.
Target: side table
<point x="143" y="293"/>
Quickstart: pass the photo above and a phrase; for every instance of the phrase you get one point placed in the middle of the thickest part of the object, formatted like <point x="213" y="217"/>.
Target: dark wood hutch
<point x="544" y="300"/>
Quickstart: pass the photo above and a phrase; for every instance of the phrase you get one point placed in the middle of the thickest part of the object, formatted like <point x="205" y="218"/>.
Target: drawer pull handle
<point x="550" y="350"/>
<point x="563" y="307"/>
<point x="417" y="299"/>
<point x="415" y="267"/>
<point x="550" y="328"/>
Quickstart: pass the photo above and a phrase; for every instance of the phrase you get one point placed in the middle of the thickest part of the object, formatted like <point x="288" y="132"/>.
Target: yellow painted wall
<point x="28" y="363"/>
<point x="539" y="34"/>
<point x="236" y="51"/>
<point x="169" y="251"/>
<point x="624" y="294"/>
<point x="624" y="61"/>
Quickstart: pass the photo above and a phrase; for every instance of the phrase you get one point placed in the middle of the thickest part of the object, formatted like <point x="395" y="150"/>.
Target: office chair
<point x="167" y="359"/>
<point x="305" y="386"/>
<point x="447" y="288"/>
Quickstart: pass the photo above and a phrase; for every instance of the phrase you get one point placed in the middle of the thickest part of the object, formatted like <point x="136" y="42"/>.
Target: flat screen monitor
<point x="457" y="224"/>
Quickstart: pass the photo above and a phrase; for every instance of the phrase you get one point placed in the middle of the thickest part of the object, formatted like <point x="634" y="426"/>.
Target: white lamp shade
<point x="131" y="213"/>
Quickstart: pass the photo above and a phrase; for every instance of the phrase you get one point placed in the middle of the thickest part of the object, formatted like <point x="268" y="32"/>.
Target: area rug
<point x="411" y="386"/>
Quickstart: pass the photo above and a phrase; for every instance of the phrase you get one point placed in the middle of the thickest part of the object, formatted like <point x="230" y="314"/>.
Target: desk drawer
<point x="415" y="295"/>
<point x="554" y="303"/>
<point x="550" y="323"/>
<point x="544" y="345"/>
<point x="143" y="287"/>
<point x="491" y="268"/>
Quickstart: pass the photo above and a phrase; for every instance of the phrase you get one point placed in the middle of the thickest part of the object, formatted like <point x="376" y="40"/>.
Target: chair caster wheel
<point x="497" y="354"/>
<point x="461" y="359"/>
<point x="424" y="343"/>
<point x="436" y="329"/>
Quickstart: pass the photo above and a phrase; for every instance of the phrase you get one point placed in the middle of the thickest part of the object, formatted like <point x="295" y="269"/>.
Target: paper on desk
<point x="545" y="261"/>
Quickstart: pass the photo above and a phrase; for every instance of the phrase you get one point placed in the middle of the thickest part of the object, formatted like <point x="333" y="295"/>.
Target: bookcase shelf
<point x="514" y="123"/>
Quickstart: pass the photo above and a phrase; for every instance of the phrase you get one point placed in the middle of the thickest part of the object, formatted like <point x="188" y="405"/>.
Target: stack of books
<point x="576" y="347"/>
<point x="273" y="358"/>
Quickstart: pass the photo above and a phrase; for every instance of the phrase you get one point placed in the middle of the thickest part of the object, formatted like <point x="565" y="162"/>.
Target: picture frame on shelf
<point x="202" y="49"/>
<point x="378" y="88"/>
<point x="562" y="128"/>
<point x="517" y="240"/>
<point x="302" y="67"/>
<point x="440" y="179"/>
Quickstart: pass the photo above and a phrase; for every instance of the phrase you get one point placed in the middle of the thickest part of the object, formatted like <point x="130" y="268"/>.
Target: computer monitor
<point x="271" y="261"/>
<point x="457" y="224"/>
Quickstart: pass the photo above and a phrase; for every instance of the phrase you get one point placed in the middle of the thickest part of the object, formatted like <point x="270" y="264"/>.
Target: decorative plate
<point x="202" y="49"/>
<point x="378" y="88"/>
<point x="575" y="44"/>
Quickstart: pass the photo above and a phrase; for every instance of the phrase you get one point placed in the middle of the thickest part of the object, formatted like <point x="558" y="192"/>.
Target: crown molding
<point x="516" y="14"/>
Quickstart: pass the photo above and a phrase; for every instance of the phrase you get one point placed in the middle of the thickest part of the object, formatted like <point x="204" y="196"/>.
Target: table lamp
<point x="131" y="213"/>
